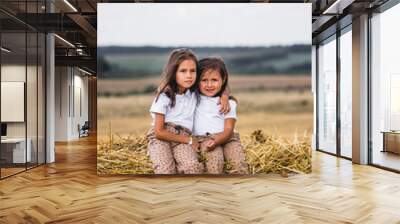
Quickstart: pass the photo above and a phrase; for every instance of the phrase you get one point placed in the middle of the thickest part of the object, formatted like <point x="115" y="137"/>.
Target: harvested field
<point x="237" y="83"/>
<point x="279" y="113"/>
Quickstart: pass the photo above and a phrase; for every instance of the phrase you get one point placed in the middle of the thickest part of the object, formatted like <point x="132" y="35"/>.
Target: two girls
<point x="172" y="148"/>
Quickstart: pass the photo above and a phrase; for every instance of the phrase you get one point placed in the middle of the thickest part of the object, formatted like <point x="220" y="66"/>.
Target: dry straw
<point x="270" y="154"/>
<point x="264" y="154"/>
<point x="124" y="155"/>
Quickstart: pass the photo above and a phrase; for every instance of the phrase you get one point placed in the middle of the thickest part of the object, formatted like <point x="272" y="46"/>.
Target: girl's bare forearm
<point x="168" y="136"/>
<point x="223" y="137"/>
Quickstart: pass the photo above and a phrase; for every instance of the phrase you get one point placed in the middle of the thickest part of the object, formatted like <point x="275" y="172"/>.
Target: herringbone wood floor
<point x="70" y="191"/>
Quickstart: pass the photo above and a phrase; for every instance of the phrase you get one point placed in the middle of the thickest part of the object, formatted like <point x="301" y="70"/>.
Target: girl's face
<point x="186" y="75"/>
<point x="210" y="83"/>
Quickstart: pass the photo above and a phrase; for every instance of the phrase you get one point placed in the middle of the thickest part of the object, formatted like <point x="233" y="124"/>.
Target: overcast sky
<point x="197" y="24"/>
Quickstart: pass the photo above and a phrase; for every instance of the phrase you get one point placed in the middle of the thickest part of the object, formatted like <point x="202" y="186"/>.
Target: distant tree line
<point x="141" y="61"/>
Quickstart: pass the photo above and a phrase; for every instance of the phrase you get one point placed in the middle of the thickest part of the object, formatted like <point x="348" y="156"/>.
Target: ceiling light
<point x="331" y="7"/>
<point x="64" y="40"/>
<point x="84" y="71"/>
<point x="337" y="7"/>
<point x="5" y="50"/>
<point x="70" y="5"/>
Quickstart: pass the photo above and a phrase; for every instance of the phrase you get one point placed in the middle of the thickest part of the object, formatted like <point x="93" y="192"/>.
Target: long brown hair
<point x="217" y="64"/>
<point x="168" y="84"/>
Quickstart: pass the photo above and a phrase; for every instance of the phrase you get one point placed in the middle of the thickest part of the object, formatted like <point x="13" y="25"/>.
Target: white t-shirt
<point x="207" y="117"/>
<point x="181" y="114"/>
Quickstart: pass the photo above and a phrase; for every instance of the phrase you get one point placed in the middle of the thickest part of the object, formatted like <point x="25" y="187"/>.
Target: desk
<point x="391" y="141"/>
<point x="15" y="148"/>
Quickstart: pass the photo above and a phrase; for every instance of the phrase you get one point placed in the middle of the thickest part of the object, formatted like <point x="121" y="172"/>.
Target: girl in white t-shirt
<point x="215" y="131"/>
<point x="171" y="147"/>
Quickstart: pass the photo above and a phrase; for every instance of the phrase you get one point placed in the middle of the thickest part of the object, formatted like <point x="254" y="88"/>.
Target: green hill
<point x="138" y="62"/>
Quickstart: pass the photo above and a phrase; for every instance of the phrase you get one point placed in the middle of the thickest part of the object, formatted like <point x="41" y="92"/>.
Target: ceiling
<point x="75" y="21"/>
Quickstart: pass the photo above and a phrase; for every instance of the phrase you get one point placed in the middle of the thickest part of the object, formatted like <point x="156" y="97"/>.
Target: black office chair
<point x="84" y="130"/>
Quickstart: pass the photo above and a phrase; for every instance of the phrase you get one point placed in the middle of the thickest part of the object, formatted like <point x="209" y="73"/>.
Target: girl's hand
<point x="210" y="144"/>
<point x="224" y="104"/>
<point x="195" y="145"/>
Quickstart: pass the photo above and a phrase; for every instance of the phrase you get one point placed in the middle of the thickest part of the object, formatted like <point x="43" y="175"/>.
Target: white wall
<point x="80" y="109"/>
<point x="33" y="126"/>
<point x="71" y="93"/>
<point x="62" y="81"/>
<point x="12" y="73"/>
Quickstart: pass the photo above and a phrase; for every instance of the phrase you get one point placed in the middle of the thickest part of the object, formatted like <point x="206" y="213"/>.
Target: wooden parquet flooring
<point x="69" y="191"/>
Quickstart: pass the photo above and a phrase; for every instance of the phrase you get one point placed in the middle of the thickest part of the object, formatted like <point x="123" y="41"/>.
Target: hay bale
<point x="124" y="155"/>
<point x="269" y="154"/>
<point x="264" y="154"/>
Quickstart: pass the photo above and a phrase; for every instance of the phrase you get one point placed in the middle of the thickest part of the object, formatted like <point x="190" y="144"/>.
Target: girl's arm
<point x="224" y="136"/>
<point x="224" y="101"/>
<point x="165" y="135"/>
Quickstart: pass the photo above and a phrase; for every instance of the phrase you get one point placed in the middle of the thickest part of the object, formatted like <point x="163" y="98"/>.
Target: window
<point x="385" y="88"/>
<point x="327" y="96"/>
<point x="23" y="79"/>
<point x="346" y="93"/>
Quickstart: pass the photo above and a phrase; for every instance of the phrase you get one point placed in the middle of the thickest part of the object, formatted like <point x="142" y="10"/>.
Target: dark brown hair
<point x="168" y="84"/>
<point x="216" y="64"/>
